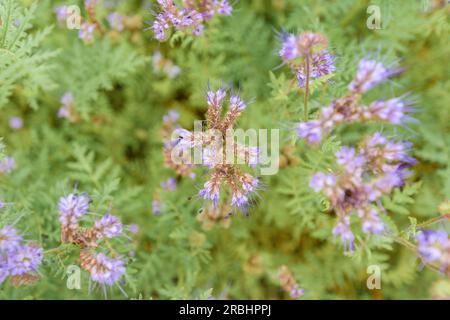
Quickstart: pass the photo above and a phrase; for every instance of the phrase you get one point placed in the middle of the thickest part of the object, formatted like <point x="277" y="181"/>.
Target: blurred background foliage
<point x="113" y="150"/>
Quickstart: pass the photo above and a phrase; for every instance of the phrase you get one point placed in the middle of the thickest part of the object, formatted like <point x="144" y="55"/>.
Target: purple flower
<point x="371" y="222"/>
<point x="225" y="8"/>
<point x="72" y="208"/>
<point x="239" y="200"/>
<point x="289" y="49"/>
<point x="369" y="74"/>
<point x="393" y="110"/>
<point x="24" y="259"/>
<point x="322" y="64"/>
<point x="7" y="164"/>
<point x="116" y="21"/>
<point x="172" y="116"/>
<point x="236" y="103"/>
<point x="432" y="245"/>
<point x="134" y="228"/>
<point x="108" y="226"/>
<point x="343" y="230"/>
<point x="296" y="292"/>
<point x="311" y="131"/>
<point x="107" y="271"/>
<point x="211" y="191"/>
<point x="347" y="158"/>
<point x="61" y="14"/>
<point x="169" y="185"/>
<point x="216" y="98"/>
<point x="321" y="180"/>
<point x="9" y="239"/>
<point x="87" y="32"/>
<point x="15" y="123"/>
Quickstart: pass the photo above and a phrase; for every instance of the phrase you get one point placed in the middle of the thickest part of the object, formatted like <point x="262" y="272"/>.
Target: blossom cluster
<point x="306" y="55"/>
<point x="18" y="260"/>
<point x="348" y="109"/>
<point x="375" y="169"/>
<point x="288" y="283"/>
<point x="7" y="164"/>
<point x="104" y="270"/>
<point x="116" y="21"/>
<point x="191" y="17"/>
<point x="434" y="247"/>
<point x="223" y="174"/>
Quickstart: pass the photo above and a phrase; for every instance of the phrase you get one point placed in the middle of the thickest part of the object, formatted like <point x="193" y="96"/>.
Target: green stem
<point x="433" y="221"/>
<point x="306" y="88"/>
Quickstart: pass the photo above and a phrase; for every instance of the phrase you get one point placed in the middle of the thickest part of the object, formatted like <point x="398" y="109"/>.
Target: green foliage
<point x="113" y="150"/>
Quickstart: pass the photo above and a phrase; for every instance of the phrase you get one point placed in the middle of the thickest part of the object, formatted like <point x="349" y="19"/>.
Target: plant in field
<point x="191" y="17"/>
<point x="219" y="153"/>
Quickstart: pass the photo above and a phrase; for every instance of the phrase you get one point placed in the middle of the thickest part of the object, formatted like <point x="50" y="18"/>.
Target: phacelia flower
<point x="376" y="168"/>
<point x="15" y="123"/>
<point x="116" y="21"/>
<point x="169" y="185"/>
<point x="304" y="44"/>
<point x="434" y="247"/>
<point x="343" y="230"/>
<point x="322" y="64"/>
<point x="306" y="52"/>
<point x="25" y="259"/>
<point x="18" y="260"/>
<point x="9" y="239"/>
<point x="61" y="14"/>
<point x="190" y="17"/>
<point x="369" y="74"/>
<point x="108" y="226"/>
<point x="106" y="271"/>
<point x="224" y="174"/>
<point x="348" y="109"/>
<point x="7" y="164"/>
<point x="86" y="32"/>
<point x="73" y="207"/>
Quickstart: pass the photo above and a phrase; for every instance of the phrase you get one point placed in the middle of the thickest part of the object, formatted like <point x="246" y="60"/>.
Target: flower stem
<point x="433" y="220"/>
<point x="305" y="109"/>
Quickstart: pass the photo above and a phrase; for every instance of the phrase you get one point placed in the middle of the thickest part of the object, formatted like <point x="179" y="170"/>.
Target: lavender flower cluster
<point x="348" y="109"/>
<point x="306" y="56"/>
<point x="191" y="17"/>
<point x="375" y="169"/>
<point x="242" y="186"/>
<point x="18" y="260"/>
<point x="72" y="208"/>
<point x="434" y="247"/>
